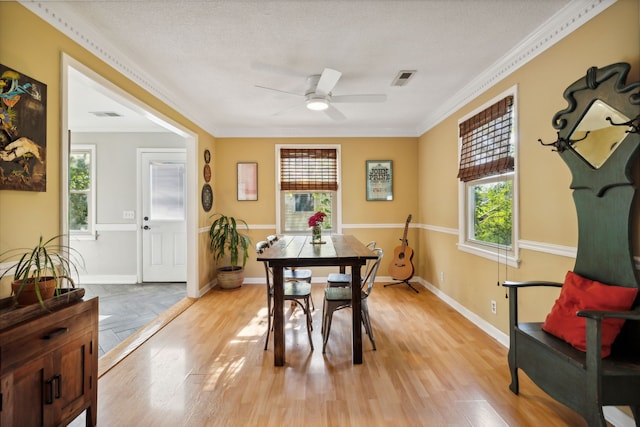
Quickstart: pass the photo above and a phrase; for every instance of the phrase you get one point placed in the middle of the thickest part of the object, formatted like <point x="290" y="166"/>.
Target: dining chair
<point x="337" y="298"/>
<point x="344" y="279"/>
<point x="293" y="274"/>
<point x="298" y="292"/>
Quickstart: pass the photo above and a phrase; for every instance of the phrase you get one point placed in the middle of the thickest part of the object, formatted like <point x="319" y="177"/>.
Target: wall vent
<point x="403" y="77"/>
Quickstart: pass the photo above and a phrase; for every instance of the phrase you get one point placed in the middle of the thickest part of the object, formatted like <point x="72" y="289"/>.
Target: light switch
<point x="128" y="214"/>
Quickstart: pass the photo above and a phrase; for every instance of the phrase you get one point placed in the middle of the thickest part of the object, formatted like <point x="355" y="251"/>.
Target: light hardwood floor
<point x="432" y="368"/>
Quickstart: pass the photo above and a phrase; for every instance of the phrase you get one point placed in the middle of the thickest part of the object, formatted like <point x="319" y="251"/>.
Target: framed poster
<point x="247" y="181"/>
<point x="23" y="132"/>
<point x="379" y="180"/>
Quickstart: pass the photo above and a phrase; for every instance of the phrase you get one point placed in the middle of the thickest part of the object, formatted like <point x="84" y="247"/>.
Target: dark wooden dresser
<point x="49" y="367"/>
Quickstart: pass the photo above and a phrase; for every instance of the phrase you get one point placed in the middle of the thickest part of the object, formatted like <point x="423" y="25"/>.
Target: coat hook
<point x="561" y="144"/>
<point x="558" y="144"/>
<point x="634" y="124"/>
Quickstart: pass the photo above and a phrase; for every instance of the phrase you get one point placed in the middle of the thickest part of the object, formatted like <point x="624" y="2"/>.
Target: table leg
<point x="356" y="315"/>
<point x="278" y="316"/>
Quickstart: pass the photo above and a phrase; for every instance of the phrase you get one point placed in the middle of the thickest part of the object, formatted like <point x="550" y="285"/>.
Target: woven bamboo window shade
<point x="486" y="142"/>
<point x="308" y="169"/>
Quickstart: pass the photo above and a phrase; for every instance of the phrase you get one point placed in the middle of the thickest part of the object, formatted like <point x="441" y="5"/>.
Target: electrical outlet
<point x="442" y="276"/>
<point x="494" y="307"/>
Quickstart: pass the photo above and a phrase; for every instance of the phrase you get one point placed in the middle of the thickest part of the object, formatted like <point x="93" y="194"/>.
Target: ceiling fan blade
<point x="327" y="81"/>
<point x="359" y="98"/>
<point x="278" y="90"/>
<point x="334" y="113"/>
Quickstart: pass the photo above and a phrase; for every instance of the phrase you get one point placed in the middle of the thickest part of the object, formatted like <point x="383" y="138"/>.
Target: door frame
<point x="191" y="146"/>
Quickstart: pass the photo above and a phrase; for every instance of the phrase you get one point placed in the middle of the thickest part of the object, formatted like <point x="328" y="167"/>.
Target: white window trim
<point x="90" y="234"/>
<point x="338" y="202"/>
<point x="495" y="253"/>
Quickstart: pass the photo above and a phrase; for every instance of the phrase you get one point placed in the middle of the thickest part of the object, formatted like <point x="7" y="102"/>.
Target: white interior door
<point x="164" y="245"/>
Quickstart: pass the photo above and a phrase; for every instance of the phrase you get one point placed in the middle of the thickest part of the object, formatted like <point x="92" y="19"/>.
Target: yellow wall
<point x="356" y="210"/>
<point x="33" y="47"/>
<point x="425" y="168"/>
<point x="547" y="213"/>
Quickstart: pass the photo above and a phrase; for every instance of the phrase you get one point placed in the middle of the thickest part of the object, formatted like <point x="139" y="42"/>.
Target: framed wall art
<point x="23" y="132"/>
<point x="247" y="181"/>
<point x="379" y="180"/>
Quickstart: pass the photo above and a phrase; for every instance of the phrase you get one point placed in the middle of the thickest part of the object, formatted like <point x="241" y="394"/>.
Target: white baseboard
<point x="485" y="326"/>
<point x="108" y="279"/>
<point x="210" y="286"/>
<point x="617" y="417"/>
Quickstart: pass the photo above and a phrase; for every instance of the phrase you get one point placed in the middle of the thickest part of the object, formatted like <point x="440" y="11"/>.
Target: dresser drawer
<point x="42" y="335"/>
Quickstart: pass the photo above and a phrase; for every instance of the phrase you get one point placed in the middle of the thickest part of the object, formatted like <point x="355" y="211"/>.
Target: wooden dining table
<point x="297" y="251"/>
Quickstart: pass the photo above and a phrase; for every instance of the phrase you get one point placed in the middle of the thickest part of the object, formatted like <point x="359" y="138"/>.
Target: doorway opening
<point x="112" y="240"/>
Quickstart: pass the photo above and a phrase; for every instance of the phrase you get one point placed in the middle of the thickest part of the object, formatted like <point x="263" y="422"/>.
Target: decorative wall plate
<point x="207" y="197"/>
<point x="206" y="172"/>
<point x="207" y="156"/>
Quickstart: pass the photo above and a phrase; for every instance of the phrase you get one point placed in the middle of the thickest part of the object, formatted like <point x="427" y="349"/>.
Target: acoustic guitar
<point x="401" y="267"/>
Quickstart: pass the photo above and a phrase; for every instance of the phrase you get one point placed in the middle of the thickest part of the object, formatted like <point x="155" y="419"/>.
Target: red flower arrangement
<point x="317" y="219"/>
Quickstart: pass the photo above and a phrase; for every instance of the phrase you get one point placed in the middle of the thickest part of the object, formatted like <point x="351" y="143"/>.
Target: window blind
<point x="486" y="147"/>
<point x="308" y="169"/>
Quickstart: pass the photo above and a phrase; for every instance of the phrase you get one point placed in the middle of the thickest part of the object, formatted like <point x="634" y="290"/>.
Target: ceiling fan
<point x="318" y="96"/>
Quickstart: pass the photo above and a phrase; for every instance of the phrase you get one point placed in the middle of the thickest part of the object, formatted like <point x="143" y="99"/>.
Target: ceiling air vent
<point x="105" y="114"/>
<point x="403" y="77"/>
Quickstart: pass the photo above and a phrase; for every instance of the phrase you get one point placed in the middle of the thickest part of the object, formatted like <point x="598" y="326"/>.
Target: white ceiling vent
<point x="403" y="77"/>
<point x="105" y="114"/>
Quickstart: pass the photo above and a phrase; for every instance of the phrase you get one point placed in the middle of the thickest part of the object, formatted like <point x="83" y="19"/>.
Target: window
<point x="304" y="202"/>
<point x="82" y="172"/>
<point x="308" y="183"/>
<point x="488" y="220"/>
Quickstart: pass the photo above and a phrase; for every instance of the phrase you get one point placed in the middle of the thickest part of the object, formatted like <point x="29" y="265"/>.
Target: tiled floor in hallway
<point x="126" y="308"/>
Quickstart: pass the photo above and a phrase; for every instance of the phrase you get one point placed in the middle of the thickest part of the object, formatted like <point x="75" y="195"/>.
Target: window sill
<point x="493" y="255"/>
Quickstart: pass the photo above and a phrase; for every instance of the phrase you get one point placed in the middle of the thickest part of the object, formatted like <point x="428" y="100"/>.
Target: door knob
<point x="146" y="227"/>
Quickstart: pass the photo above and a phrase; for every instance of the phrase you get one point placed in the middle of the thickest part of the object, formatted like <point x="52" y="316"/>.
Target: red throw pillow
<point x="578" y="294"/>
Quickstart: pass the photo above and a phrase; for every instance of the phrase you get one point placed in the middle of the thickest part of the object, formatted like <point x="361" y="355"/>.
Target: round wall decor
<point x="207" y="197"/>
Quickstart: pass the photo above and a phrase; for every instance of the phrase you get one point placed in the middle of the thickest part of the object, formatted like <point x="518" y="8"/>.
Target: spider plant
<point x="49" y="260"/>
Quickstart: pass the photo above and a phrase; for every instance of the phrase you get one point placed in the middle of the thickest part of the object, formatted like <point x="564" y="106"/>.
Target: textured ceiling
<point x="205" y="58"/>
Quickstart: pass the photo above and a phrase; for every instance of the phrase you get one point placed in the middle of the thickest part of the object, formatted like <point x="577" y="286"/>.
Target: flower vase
<point x="316" y="234"/>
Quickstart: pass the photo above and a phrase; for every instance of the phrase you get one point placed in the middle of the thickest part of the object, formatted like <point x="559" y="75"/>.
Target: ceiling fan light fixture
<point x="317" y="104"/>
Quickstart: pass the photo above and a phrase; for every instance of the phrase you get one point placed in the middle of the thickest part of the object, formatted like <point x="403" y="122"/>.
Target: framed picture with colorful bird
<point x="23" y="132"/>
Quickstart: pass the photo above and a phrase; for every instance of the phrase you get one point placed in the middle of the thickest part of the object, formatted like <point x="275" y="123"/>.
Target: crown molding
<point x="563" y="23"/>
<point x="571" y="17"/>
<point x="71" y="26"/>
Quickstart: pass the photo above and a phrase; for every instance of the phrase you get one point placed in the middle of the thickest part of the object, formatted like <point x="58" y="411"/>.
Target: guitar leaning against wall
<point x="401" y="267"/>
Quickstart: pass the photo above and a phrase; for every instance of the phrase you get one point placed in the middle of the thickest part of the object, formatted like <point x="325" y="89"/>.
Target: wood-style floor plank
<point x="432" y="368"/>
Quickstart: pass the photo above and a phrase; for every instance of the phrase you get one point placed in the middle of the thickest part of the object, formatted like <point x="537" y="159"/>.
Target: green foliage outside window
<point x="79" y="185"/>
<point x="300" y="206"/>
<point x="493" y="212"/>
<point x="323" y="204"/>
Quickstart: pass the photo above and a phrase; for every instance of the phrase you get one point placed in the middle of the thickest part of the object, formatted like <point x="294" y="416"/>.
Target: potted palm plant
<point x="39" y="271"/>
<point x="226" y="241"/>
